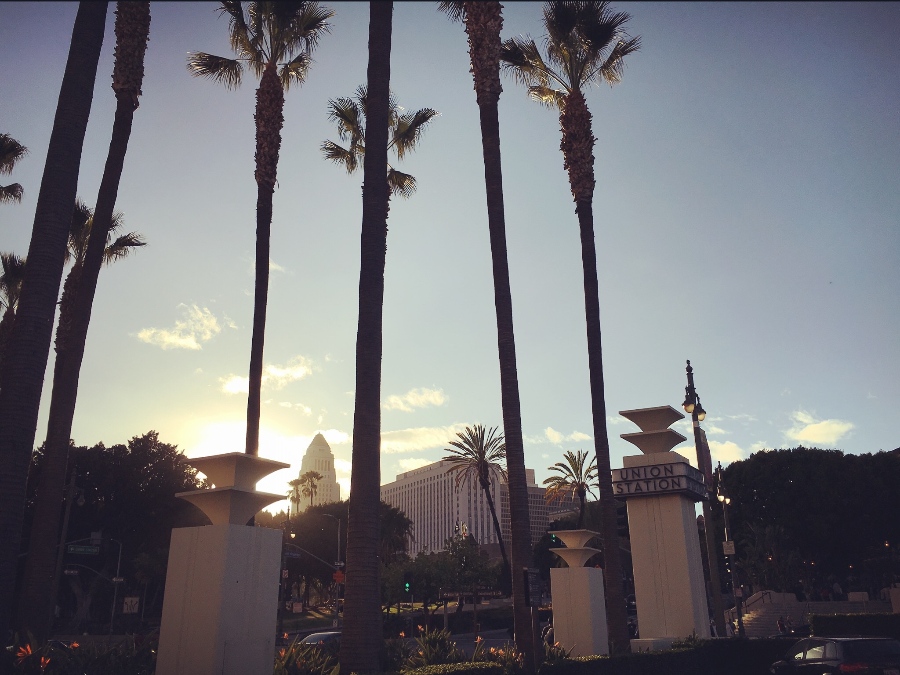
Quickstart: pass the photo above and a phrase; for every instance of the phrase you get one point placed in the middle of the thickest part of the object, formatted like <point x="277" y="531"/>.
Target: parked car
<point x="328" y="639"/>
<point x="837" y="655"/>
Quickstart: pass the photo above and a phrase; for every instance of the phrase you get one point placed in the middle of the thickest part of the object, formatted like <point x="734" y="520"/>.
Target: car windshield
<point x="870" y="650"/>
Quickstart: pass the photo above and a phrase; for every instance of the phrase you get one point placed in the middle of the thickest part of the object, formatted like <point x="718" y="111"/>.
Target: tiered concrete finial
<point x="576" y="554"/>
<point x="235" y="498"/>
<point x="655" y="435"/>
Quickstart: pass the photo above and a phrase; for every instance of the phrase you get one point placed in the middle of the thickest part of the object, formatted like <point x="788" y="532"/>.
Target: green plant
<point x="397" y="653"/>
<point x="434" y="648"/>
<point x="479" y="668"/>
<point x="303" y="659"/>
<point x="508" y="657"/>
<point x="134" y="656"/>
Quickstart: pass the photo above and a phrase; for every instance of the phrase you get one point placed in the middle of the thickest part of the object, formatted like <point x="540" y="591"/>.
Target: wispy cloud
<point x="274" y="376"/>
<point x="415" y="398"/>
<point x="420" y="438"/>
<point x="556" y="437"/>
<point x="198" y="326"/>
<point x="305" y="409"/>
<point x="410" y="463"/>
<point x="807" y="429"/>
<point x="726" y="452"/>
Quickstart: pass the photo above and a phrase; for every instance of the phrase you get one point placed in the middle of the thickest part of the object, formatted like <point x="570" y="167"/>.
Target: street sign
<point x="80" y="549"/>
<point x="130" y="605"/>
<point x="339" y="564"/>
<point x="70" y="573"/>
<point x="284" y="574"/>
<point x="532" y="587"/>
<point x="339" y="577"/>
<point x="118" y="580"/>
<point x="728" y="547"/>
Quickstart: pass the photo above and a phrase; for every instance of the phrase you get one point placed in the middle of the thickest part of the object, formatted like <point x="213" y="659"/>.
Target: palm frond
<point x="409" y="129"/>
<point x="612" y="68"/>
<point x="11" y="151"/>
<point x="552" y="98"/>
<point x="335" y="153"/>
<point x="295" y="70"/>
<point x="79" y="231"/>
<point x="216" y="68"/>
<point x="401" y="184"/>
<point x="238" y="32"/>
<point x="11" y="279"/>
<point x="454" y="9"/>
<point x="348" y="115"/>
<point x="309" y="24"/>
<point x="122" y="247"/>
<point x="521" y="58"/>
<point x="11" y="193"/>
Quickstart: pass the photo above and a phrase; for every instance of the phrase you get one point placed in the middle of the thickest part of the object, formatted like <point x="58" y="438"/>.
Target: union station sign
<point x="657" y="479"/>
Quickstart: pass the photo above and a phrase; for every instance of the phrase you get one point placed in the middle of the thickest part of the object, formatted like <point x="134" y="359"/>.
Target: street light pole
<point x="693" y="407"/>
<point x="337" y="585"/>
<point x="726" y="500"/>
<point x="112" y="616"/>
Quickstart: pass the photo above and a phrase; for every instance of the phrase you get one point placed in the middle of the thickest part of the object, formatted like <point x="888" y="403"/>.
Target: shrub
<point x="303" y="659"/>
<point x="434" y="648"/>
<point x="884" y="625"/>
<point x="134" y="656"/>
<point x="478" y="668"/>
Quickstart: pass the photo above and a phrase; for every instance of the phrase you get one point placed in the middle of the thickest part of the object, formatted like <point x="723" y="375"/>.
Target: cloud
<point x="410" y="463"/>
<point x="198" y="326"/>
<point x="556" y="437"/>
<point x="305" y="409"/>
<point x="420" y="438"/>
<point x="726" y="452"/>
<point x="415" y="398"/>
<point x="274" y="376"/>
<point x="807" y="429"/>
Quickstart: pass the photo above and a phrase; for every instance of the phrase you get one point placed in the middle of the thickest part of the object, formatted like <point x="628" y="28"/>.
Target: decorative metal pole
<point x="726" y="500"/>
<point x="704" y="463"/>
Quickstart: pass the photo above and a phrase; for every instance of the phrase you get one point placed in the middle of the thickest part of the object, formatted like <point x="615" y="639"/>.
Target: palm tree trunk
<point x="486" y="486"/>
<point x="361" y="641"/>
<point x="39" y="588"/>
<point x="483" y="24"/>
<point x="577" y="145"/>
<point x="269" y="120"/>
<point x="22" y="377"/>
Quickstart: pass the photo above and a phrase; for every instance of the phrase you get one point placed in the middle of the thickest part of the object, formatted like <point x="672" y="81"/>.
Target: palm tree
<point x="276" y="40"/>
<point x="476" y="457"/>
<point x="37" y="599"/>
<point x="483" y="22"/>
<point x="10" y="287"/>
<point x="310" y="482"/>
<point x="29" y="343"/>
<point x="361" y="637"/>
<point x="11" y="151"/>
<point x="574" y="480"/>
<point x="295" y="494"/>
<point x="405" y="131"/>
<point x="585" y="43"/>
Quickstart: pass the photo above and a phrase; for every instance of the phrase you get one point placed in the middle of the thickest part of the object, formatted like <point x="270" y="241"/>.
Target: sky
<point x="747" y="217"/>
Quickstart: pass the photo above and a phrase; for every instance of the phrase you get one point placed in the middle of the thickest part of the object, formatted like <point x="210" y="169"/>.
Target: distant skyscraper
<point x="319" y="458"/>
<point x="428" y="496"/>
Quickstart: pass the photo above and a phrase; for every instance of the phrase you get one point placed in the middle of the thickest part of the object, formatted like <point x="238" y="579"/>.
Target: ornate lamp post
<point x="725" y="500"/>
<point x="337" y="565"/>
<point x="693" y="407"/>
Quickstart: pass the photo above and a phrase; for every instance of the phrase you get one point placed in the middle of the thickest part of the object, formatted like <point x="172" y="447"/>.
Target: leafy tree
<point x="276" y="40"/>
<point x="21" y="379"/>
<point x="483" y="22"/>
<point x="476" y="457"/>
<point x="36" y="597"/>
<point x="574" y="480"/>
<point x="127" y="492"/>
<point x="11" y="151"/>
<point x="405" y="130"/>
<point x="10" y="288"/>
<point x="585" y="43"/>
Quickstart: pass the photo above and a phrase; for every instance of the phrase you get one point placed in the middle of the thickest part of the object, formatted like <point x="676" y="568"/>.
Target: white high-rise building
<point x="319" y="458"/>
<point x="428" y="496"/>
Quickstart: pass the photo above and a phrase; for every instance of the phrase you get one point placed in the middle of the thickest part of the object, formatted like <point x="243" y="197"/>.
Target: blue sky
<point x="746" y="216"/>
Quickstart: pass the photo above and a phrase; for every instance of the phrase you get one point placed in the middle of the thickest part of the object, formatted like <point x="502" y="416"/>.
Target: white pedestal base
<point x="579" y="610"/>
<point x="221" y="601"/>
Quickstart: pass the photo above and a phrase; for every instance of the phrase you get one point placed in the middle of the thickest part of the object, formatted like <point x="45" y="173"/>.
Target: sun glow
<point x="224" y="436"/>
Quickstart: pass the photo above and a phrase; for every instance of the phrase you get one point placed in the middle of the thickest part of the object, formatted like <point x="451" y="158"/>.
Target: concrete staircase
<point x="763" y="609"/>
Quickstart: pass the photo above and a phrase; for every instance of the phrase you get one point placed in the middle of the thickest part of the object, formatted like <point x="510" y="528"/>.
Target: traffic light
<point x="407" y="582"/>
<point x="553" y="539"/>
<point x="406" y="587"/>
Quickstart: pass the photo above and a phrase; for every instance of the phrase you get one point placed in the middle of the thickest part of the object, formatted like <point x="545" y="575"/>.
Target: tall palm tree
<point x="21" y="379"/>
<point x="574" y="480"/>
<point x="37" y="599"/>
<point x="10" y="287"/>
<point x="132" y="29"/>
<point x="405" y="131"/>
<point x="585" y="43"/>
<point x="361" y="637"/>
<point x="478" y="456"/>
<point x="295" y="494"/>
<point x="11" y="151"/>
<point x="483" y="22"/>
<point x="310" y="482"/>
<point x="275" y="40"/>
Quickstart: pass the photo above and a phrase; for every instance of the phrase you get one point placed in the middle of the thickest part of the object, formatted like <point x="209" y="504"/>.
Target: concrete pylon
<point x="579" y="601"/>
<point x="661" y="487"/>
<point x="221" y="600"/>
